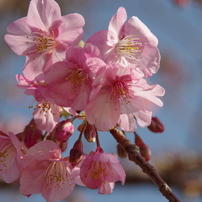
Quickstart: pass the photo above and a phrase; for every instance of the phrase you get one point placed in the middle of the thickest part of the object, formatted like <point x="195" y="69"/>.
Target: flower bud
<point x="121" y="152"/>
<point x="62" y="145"/>
<point x="144" y="149"/>
<point x="64" y="130"/>
<point x="76" y="153"/>
<point x="90" y="133"/>
<point x="156" y="125"/>
<point x="32" y="134"/>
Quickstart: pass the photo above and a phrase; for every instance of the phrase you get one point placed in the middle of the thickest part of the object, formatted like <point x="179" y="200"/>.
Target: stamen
<point x="130" y="47"/>
<point x="44" y="107"/>
<point x="76" y="79"/>
<point x="7" y="155"/>
<point x="120" y="92"/>
<point x="56" y="175"/>
<point x="43" y="43"/>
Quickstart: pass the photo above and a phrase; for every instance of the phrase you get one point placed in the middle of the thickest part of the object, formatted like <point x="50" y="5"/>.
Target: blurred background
<point x="177" y="152"/>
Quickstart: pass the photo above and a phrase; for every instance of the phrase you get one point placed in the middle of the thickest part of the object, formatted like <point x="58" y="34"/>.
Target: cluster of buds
<point x="102" y="83"/>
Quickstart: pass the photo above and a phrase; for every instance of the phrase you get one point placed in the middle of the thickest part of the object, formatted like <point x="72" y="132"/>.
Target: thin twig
<point x="135" y="156"/>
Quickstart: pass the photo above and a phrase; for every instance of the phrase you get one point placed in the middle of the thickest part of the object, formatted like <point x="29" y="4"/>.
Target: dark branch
<point x="135" y="156"/>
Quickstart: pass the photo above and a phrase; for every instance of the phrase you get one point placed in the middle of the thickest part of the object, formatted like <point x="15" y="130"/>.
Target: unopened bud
<point x="156" y="125"/>
<point x="64" y="130"/>
<point x="62" y="145"/>
<point x="31" y="134"/>
<point x="76" y="153"/>
<point x="90" y="133"/>
<point x="32" y="137"/>
<point x="81" y="127"/>
<point x="144" y="149"/>
<point x="121" y="152"/>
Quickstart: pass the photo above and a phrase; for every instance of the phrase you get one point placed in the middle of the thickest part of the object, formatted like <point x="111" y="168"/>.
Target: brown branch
<point x="135" y="156"/>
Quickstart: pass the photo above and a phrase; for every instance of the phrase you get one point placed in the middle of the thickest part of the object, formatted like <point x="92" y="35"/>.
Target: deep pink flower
<point x="101" y="170"/>
<point x="122" y="95"/>
<point x="70" y="81"/>
<point x="43" y="36"/>
<point x="10" y="157"/>
<point x="129" y="43"/>
<point x="46" y="172"/>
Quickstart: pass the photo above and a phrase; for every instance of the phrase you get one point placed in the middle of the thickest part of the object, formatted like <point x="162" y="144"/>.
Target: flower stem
<point x="135" y="156"/>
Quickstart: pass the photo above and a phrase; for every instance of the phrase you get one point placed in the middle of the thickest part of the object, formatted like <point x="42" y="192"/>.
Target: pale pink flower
<point x="46" y="115"/>
<point x="129" y="43"/>
<point x="122" y="95"/>
<point x="101" y="170"/>
<point x="46" y="172"/>
<point x="70" y="81"/>
<point x="46" y="112"/>
<point x="43" y="36"/>
<point x="10" y="157"/>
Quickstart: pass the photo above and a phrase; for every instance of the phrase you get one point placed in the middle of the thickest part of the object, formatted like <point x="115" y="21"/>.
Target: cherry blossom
<point x="128" y="43"/>
<point x="70" y="81"/>
<point x="10" y="157"/>
<point x="101" y="170"/>
<point x="122" y="95"/>
<point x="46" y="172"/>
<point x="43" y="36"/>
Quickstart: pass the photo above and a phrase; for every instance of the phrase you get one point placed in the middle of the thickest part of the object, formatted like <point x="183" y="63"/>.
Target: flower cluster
<point x="101" y="82"/>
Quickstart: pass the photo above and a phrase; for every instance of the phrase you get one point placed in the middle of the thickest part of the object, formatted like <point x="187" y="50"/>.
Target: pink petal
<point x="43" y="13"/>
<point x="98" y="39"/>
<point x="127" y="122"/>
<point x="115" y="25"/>
<point x="46" y="119"/>
<point x="58" y="190"/>
<point x="143" y="118"/>
<point x="140" y="30"/>
<point x="45" y="150"/>
<point x="16" y="38"/>
<point x="71" y="29"/>
<point x="106" y="188"/>
<point x="102" y="111"/>
<point x="31" y="181"/>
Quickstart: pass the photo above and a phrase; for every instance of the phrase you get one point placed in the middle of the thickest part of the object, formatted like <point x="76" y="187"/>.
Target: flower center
<point x="120" y="92"/>
<point x="42" y="43"/>
<point x="130" y="47"/>
<point x="44" y="107"/>
<point x="99" y="170"/>
<point x="57" y="175"/>
<point x="76" y="79"/>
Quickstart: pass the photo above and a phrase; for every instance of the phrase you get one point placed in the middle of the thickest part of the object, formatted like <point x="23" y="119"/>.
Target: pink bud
<point x="90" y="133"/>
<point x="144" y="149"/>
<point x="76" y="153"/>
<point x="31" y="134"/>
<point x="156" y="125"/>
<point x="64" y="130"/>
<point x="62" y="145"/>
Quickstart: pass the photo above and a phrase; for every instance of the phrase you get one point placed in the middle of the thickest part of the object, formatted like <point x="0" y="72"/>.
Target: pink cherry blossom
<point x="101" y="170"/>
<point x="43" y="36"/>
<point x="46" y="172"/>
<point x="10" y="157"/>
<point x="70" y="81"/>
<point x="122" y="95"/>
<point x="46" y="112"/>
<point x="129" y="43"/>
